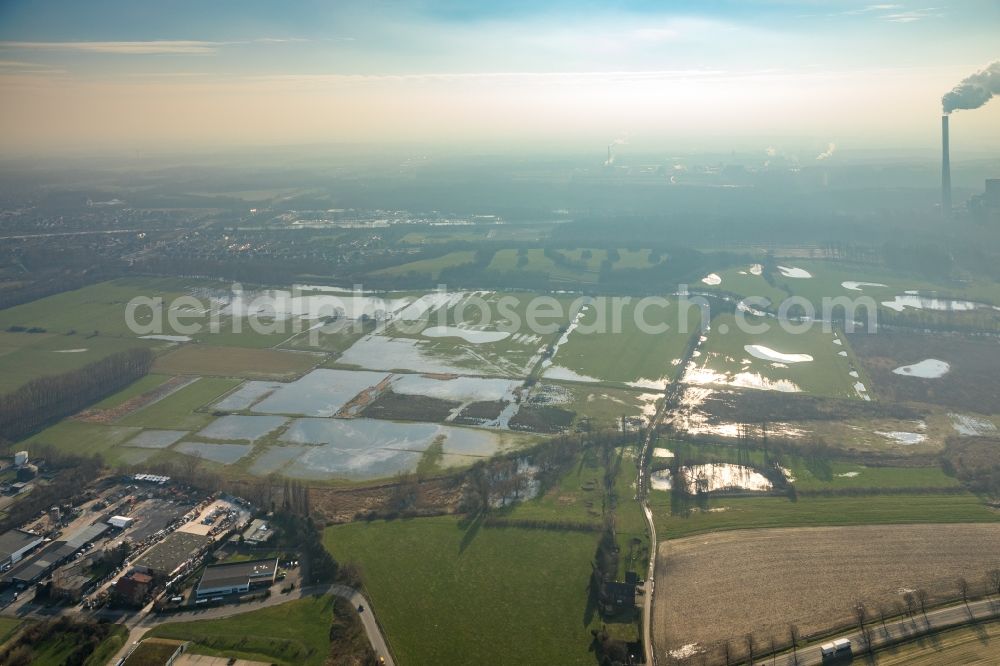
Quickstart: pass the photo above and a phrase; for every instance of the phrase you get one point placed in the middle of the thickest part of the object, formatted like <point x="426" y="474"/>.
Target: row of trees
<point x="867" y="619"/>
<point x="47" y="399"/>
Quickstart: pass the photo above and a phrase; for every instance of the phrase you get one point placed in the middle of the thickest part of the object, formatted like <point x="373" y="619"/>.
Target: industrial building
<point x="171" y="554"/>
<point x="257" y="533"/>
<point x="120" y="522"/>
<point x="237" y="578"/>
<point x="14" y="545"/>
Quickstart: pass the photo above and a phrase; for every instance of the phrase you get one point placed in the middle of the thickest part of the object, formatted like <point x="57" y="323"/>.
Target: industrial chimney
<point x="945" y="168"/>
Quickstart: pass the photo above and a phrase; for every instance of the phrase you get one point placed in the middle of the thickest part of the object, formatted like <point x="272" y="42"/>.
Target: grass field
<point x="8" y="625"/>
<point x="978" y="645"/>
<point x="56" y="650"/>
<point x="602" y="406"/>
<point x="448" y="595"/>
<point x="819" y="473"/>
<point x="27" y="356"/>
<point x="734" y="513"/>
<point x="763" y="580"/>
<point x="136" y="388"/>
<point x="621" y="343"/>
<point x="432" y="266"/>
<point x="293" y="633"/>
<point x="83" y="438"/>
<point x="826" y="375"/>
<point x="177" y="410"/>
<point x="506" y="261"/>
<point x="235" y="362"/>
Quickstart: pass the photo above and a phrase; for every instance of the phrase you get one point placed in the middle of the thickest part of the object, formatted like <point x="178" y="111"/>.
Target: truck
<point x="837" y="648"/>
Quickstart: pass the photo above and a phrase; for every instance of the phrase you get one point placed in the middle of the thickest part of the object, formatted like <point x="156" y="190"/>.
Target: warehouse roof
<point x="237" y="573"/>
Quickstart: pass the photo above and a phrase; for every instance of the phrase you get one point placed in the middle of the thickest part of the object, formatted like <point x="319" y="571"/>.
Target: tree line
<point x="48" y="399"/>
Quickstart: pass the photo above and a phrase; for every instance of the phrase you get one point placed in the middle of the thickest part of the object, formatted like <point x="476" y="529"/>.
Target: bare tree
<point x="882" y="610"/>
<point x="911" y="603"/>
<point x="793" y="636"/>
<point x="994" y="577"/>
<point x="963" y="589"/>
<point x="727" y="651"/>
<point x="922" y="599"/>
<point x="749" y="641"/>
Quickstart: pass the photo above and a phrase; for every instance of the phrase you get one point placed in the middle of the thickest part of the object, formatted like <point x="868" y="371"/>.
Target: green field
<point x="177" y="410"/>
<point x="8" y="625"/>
<point x="101" y="309"/>
<point x="432" y="266"/>
<point x="452" y="595"/>
<point x="732" y="513"/>
<point x="604" y="406"/>
<point x="58" y="648"/>
<point x="136" y="388"/>
<point x="293" y="633"/>
<point x="621" y="341"/>
<point x="821" y="474"/>
<point x="826" y="375"/>
<point x="27" y="356"/>
<point x="744" y="284"/>
<point x="84" y="438"/>
<point x="506" y="261"/>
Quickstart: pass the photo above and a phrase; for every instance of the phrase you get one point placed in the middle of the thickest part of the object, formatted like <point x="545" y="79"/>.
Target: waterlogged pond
<point x="156" y="439"/>
<point x="461" y="389"/>
<point x="380" y="352"/>
<point x="930" y="368"/>
<point x="225" y="454"/>
<point x="919" y="302"/>
<point x="367" y="448"/>
<point x="713" y="478"/>
<point x="245" y="428"/>
<point x="768" y="354"/>
<point x="274" y="458"/>
<point x="320" y="393"/>
<point x="246" y="395"/>
<point x="473" y="336"/>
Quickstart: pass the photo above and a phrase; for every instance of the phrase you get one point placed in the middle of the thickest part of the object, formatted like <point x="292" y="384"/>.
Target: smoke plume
<point x="973" y="91"/>
<point x="620" y="141"/>
<point x="831" y="148"/>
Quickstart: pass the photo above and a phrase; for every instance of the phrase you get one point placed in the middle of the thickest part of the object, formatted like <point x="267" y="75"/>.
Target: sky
<point x="710" y="74"/>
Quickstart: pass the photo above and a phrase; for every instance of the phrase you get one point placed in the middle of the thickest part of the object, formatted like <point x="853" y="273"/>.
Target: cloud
<point x="183" y="47"/>
<point x="831" y="148"/>
<point x="22" y="67"/>
<point x="911" y="16"/>
<point x="771" y="151"/>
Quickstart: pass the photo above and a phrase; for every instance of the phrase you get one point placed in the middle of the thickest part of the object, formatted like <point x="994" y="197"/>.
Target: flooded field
<point x="239" y="427"/>
<point x="156" y="439"/>
<point x="714" y="477"/>
<point x="320" y="393"/>
<point x="461" y="389"/>
<point x="246" y="395"/>
<point x="275" y="458"/>
<point x="381" y="352"/>
<point x="225" y="454"/>
<point x="367" y="448"/>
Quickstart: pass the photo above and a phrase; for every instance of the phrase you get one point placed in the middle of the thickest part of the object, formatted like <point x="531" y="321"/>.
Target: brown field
<point x="207" y="360"/>
<point x="969" y="645"/>
<point x="724" y="585"/>
<point x="970" y="385"/>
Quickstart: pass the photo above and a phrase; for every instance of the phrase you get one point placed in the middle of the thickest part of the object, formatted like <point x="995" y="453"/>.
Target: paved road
<point x="936" y="620"/>
<point x="140" y="623"/>
<point x="673" y="394"/>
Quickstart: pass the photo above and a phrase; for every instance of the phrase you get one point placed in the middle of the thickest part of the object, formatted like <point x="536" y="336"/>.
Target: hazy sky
<point x="698" y="74"/>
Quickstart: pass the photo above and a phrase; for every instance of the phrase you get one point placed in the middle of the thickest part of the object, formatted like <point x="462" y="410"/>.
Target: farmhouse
<point x="237" y="577"/>
<point x="14" y="545"/>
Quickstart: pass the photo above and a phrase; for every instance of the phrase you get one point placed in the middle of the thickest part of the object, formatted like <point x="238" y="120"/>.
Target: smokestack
<point x="945" y="168"/>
